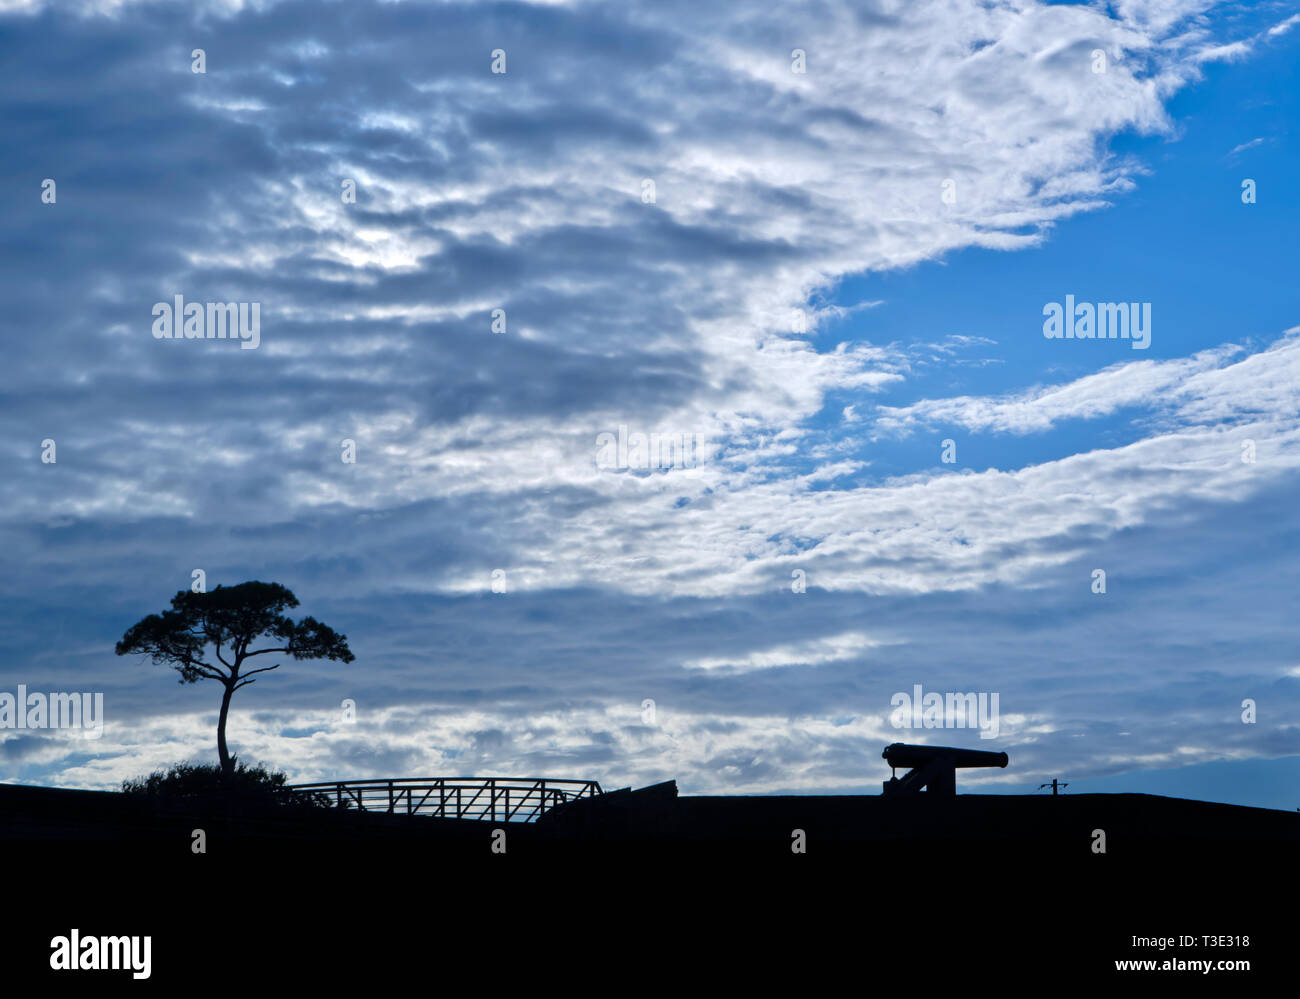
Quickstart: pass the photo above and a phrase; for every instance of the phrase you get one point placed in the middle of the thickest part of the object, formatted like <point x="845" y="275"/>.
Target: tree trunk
<point x="227" y="765"/>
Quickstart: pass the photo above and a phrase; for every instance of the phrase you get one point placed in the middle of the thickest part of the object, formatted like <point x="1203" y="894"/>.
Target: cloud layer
<point x="914" y="130"/>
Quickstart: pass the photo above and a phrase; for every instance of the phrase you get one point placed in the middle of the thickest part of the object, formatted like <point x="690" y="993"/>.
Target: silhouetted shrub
<point x="194" y="782"/>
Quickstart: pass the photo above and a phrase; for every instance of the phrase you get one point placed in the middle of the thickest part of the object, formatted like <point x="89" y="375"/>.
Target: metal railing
<point x="491" y="799"/>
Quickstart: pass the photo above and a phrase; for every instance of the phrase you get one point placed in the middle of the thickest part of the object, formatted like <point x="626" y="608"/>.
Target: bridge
<point x="490" y="799"/>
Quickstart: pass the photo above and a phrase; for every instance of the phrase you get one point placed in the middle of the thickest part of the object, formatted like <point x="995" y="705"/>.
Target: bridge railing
<point x="488" y="799"/>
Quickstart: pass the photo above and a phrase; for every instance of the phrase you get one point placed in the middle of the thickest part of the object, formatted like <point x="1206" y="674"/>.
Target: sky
<point x="818" y="239"/>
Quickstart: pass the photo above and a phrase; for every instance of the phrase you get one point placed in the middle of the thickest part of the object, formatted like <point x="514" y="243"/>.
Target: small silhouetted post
<point x="1054" y="785"/>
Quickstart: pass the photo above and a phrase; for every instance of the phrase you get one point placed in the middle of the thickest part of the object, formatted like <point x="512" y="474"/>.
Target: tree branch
<point x="262" y="652"/>
<point x="202" y="669"/>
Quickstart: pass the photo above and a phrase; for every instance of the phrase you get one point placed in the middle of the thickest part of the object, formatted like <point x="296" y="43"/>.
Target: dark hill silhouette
<point x="658" y="819"/>
<point x="949" y="888"/>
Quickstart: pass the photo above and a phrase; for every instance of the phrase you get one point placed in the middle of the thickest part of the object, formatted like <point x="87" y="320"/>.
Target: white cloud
<point x="832" y="648"/>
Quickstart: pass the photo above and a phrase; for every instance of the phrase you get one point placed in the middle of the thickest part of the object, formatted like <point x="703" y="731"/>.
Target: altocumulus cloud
<point x="526" y="192"/>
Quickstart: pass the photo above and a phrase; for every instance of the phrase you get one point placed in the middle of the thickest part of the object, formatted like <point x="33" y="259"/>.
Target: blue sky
<point x="775" y="191"/>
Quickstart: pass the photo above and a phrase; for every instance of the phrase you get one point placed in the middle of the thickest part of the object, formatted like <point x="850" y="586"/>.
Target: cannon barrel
<point x="900" y="754"/>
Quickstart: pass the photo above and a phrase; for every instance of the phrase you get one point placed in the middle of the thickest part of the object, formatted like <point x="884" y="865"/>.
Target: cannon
<point x="934" y="767"/>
